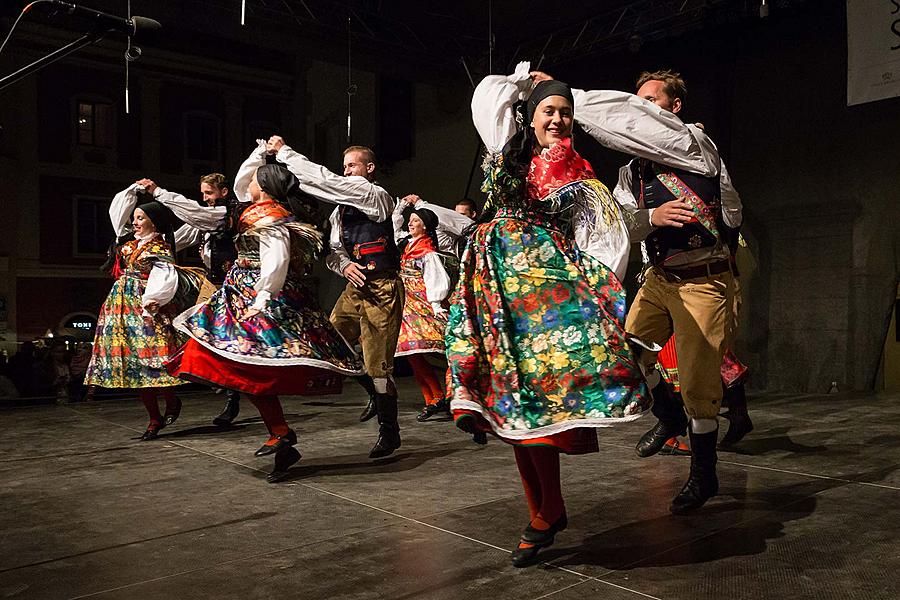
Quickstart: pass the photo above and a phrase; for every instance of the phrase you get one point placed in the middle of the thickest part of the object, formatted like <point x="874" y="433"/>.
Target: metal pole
<point x="85" y="40"/>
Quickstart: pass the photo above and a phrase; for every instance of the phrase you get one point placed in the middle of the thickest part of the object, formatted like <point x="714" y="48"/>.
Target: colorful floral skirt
<point x="274" y="352"/>
<point x="535" y="340"/>
<point x="129" y="352"/>
<point x="421" y="330"/>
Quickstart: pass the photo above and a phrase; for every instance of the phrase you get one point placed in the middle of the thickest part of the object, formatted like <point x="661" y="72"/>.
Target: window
<point x="201" y="136"/>
<point x="93" y="231"/>
<point x="95" y="124"/>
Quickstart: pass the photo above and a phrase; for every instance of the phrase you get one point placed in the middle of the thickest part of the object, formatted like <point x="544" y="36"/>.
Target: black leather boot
<point x="669" y="409"/>
<point x="370" y="410"/>
<point x="739" y="423"/>
<point x="703" y="483"/>
<point x="389" y="430"/>
<point x="230" y="410"/>
<point x="284" y="458"/>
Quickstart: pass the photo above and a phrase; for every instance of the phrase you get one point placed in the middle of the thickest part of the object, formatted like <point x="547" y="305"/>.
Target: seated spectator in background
<point x="52" y="373"/>
<point x="8" y="390"/>
<point x="21" y="368"/>
<point x="77" y="369"/>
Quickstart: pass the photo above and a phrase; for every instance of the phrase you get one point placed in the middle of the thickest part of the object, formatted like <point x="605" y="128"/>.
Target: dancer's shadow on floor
<point x="774" y="440"/>
<point x="360" y="464"/>
<point x="334" y="404"/>
<point x="740" y="523"/>
<point x="235" y="427"/>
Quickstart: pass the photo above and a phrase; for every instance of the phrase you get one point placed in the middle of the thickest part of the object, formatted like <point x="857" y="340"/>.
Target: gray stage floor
<point x="809" y="508"/>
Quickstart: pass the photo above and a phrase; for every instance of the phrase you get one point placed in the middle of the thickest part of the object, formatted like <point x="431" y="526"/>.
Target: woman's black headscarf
<point x="519" y="149"/>
<point x="163" y="219"/>
<point x="545" y="89"/>
<point x="429" y="220"/>
<point x="277" y="181"/>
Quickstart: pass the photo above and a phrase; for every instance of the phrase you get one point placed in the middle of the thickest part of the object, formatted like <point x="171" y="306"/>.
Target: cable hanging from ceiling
<point x="132" y="53"/>
<point x="351" y="87"/>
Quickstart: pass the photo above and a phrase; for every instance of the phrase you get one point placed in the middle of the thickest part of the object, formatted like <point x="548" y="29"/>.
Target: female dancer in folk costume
<point x="535" y="342"/>
<point x="427" y="286"/>
<point x="263" y="330"/>
<point x="134" y="336"/>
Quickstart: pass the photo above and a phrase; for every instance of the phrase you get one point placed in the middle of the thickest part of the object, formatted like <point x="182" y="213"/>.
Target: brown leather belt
<point x="706" y="270"/>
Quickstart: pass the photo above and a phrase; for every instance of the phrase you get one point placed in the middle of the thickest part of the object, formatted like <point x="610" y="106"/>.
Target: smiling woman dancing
<point x="134" y="336"/>
<point x="535" y="341"/>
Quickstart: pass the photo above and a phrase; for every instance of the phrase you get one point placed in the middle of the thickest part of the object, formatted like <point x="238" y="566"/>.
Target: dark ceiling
<point x="491" y="35"/>
<point x="418" y="37"/>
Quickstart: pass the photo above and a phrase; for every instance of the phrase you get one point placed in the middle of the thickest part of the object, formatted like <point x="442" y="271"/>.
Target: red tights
<point x="272" y="414"/>
<point x="539" y="469"/>
<point x="150" y="397"/>
<point x="427" y="377"/>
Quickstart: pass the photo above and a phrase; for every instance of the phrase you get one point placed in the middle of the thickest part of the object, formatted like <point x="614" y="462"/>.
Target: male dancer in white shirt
<point x="687" y="211"/>
<point x="362" y="250"/>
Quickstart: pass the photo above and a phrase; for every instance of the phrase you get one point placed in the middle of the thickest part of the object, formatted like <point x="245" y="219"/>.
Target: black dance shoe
<point x="433" y="409"/>
<point x="282" y="441"/>
<point x="152" y="432"/>
<point x="654" y="440"/>
<point x="285" y="457"/>
<point x="172" y="416"/>
<point x="675" y="447"/>
<point x="229" y="411"/>
<point x="739" y="425"/>
<point x="538" y="538"/>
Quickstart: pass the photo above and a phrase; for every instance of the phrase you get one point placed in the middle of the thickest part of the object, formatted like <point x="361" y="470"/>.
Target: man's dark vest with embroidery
<point x="222" y="252"/>
<point x="369" y="244"/>
<point x="652" y="192"/>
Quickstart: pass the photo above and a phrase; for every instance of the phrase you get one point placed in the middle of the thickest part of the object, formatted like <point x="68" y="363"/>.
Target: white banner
<point x="873" y="50"/>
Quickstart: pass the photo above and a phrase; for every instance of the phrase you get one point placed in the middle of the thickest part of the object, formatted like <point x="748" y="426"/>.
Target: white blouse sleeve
<point x="121" y="209"/>
<point x="437" y="282"/>
<point x="245" y="173"/>
<point x="205" y="218"/>
<point x="206" y="254"/>
<point x="450" y="222"/>
<point x="637" y="218"/>
<point x="732" y="209"/>
<point x="492" y="106"/>
<point x="369" y="198"/>
<point x="600" y="231"/>
<point x="397" y="219"/>
<point x="274" y="259"/>
<point x="630" y="124"/>
<point x="187" y="236"/>
<point x="161" y="285"/>
<point x="338" y="258"/>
